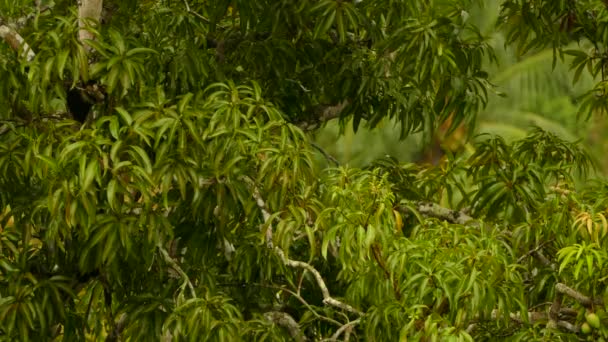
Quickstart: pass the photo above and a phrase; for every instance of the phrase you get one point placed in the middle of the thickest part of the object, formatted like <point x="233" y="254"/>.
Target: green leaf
<point x="143" y="158"/>
<point x="183" y="102"/>
<point x="112" y="79"/>
<point x="140" y="50"/>
<point x="111" y="193"/>
<point x="325" y="24"/>
<point x="124" y="115"/>
<point x="62" y="58"/>
<point x="340" y="25"/>
<point x="91" y="172"/>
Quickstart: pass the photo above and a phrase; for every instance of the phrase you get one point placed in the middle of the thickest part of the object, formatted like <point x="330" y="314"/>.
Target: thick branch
<point x="323" y="114"/>
<point x="556" y="307"/>
<point x="437" y="211"/>
<point x="579" y="297"/>
<point x="543" y="259"/>
<point x="286" y="321"/>
<point x="89" y="11"/>
<point x="16" y="42"/>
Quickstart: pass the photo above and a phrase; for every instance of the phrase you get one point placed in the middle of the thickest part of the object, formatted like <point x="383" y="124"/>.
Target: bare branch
<point x="195" y="13"/>
<point x="327" y="156"/>
<point x="301" y="300"/>
<point x="88" y="10"/>
<point x="9" y="32"/>
<point x="437" y="211"/>
<point x="533" y="251"/>
<point x="556" y="307"/>
<point x="286" y="321"/>
<point x="323" y="114"/>
<point x="177" y="268"/>
<point x="327" y="298"/>
<point x="556" y="314"/>
<point x="345" y="328"/>
<point x="535" y="317"/>
<point x="543" y="259"/>
<point x="568" y="326"/>
<point x="16" y="42"/>
<point x="579" y="297"/>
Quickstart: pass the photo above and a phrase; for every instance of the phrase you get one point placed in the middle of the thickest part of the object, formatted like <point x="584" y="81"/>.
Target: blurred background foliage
<point x="535" y="89"/>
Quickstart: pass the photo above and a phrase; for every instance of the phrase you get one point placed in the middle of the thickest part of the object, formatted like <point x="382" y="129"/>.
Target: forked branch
<point x="327" y="298"/>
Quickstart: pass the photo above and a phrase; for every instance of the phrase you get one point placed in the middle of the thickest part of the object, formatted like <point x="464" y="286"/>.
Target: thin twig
<point x="303" y="301"/>
<point x="293" y="293"/>
<point x="346" y="327"/>
<point x="327" y="156"/>
<point x="534" y="250"/>
<point x="195" y="13"/>
<point x="178" y="269"/>
<point x="327" y="298"/>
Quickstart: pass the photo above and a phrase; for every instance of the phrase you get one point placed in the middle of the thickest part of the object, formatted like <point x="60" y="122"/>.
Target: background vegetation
<point x="188" y="170"/>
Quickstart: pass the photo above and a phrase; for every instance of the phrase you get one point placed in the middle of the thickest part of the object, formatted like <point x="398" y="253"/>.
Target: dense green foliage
<point x="190" y="204"/>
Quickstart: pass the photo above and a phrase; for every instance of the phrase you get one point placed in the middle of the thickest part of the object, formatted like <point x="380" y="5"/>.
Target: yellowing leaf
<point x="398" y="221"/>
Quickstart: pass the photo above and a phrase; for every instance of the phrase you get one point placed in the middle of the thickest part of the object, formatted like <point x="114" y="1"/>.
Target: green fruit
<point x="593" y="320"/>
<point x="585" y="328"/>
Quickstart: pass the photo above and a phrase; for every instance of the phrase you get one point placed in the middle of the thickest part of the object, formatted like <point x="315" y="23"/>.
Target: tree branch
<point x="16" y="42"/>
<point x="294" y="294"/>
<point x="543" y="259"/>
<point x="178" y="269"/>
<point x="327" y="156"/>
<point x="533" y="251"/>
<point x="555" y="308"/>
<point x="434" y="210"/>
<point x="114" y="335"/>
<point x="286" y="321"/>
<point x="88" y="10"/>
<point x="579" y="297"/>
<point x="536" y="317"/>
<point x="327" y="298"/>
<point x="196" y="14"/>
<point x="301" y="300"/>
<point x="346" y="327"/>
<point x="556" y="314"/>
<point x="322" y="114"/>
